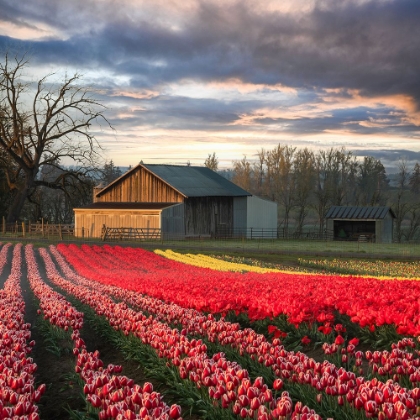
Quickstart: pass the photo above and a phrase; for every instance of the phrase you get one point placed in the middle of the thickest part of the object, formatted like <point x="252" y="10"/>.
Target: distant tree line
<point x="305" y="184"/>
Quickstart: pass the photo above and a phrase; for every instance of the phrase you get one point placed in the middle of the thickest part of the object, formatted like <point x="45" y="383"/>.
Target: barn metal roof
<point x="196" y="181"/>
<point x="358" y="212"/>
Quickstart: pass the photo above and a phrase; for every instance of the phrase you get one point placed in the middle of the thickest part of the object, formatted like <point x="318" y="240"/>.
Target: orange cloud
<point x="144" y="94"/>
<point x="338" y="99"/>
<point x="28" y="31"/>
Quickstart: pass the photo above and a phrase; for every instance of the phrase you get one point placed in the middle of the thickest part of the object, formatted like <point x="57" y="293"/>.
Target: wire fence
<point x="66" y="231"/>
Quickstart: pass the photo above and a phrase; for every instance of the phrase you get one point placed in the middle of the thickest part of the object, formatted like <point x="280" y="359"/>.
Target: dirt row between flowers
<point x="64" y="398"/>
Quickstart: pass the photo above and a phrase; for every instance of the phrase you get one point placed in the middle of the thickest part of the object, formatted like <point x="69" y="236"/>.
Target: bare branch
<point x="55" y="125"/>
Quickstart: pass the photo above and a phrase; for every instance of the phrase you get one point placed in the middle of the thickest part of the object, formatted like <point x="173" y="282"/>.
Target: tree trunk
<point x="18" y="202"/>
<point x="300" y="219"/>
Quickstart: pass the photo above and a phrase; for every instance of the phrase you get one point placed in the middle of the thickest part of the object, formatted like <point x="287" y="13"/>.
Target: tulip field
<point x="189" y="336"/>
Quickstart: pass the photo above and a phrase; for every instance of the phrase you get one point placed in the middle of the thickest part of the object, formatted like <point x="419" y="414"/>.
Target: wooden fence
<point x="109" y="233"/>
<point x="24" y="229"/>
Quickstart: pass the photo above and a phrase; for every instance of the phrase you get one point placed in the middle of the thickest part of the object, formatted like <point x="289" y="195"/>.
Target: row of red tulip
<point x="54" y="307"/>
<point x="115" y="396"/>
<point x="3" y="255"/>
<point x="324" y="377"/>
<point x="302" y="297"/>
<point x="18" y="393"/>
<point x="227" y="382"/>
<point x="401" y="363"/>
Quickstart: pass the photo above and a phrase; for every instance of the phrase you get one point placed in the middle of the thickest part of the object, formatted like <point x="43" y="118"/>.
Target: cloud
<point x="391" y="158"/>
<point x="370" y="46"/>
<point x="271" y="70"/>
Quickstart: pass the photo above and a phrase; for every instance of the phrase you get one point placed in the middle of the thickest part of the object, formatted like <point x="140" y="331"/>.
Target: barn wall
<point x="209" y="216"/>
<point x="239" y="216"/>
<point x="172" y="219"/>
<point x="384" y="229"/>
<point x="255" y="213"/>
<point x="262" y="214"/>
<point x="330" y="228"/>
<point x="90" y="223"/>
<point x="143" y="187"/>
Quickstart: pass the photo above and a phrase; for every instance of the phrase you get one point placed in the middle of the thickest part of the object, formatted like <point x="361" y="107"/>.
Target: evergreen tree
<point x="110" y="172"/>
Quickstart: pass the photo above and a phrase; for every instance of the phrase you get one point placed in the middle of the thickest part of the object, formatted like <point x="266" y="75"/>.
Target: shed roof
<point x="359" y="212"/>
<point x="190" y="181"/>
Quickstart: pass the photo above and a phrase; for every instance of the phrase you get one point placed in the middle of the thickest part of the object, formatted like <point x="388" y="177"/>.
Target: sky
<point x="183" y="79"/>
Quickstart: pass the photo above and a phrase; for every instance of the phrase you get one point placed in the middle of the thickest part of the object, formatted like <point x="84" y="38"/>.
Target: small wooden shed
<point x="361" y="223"/>
<point x="181" y="201"/>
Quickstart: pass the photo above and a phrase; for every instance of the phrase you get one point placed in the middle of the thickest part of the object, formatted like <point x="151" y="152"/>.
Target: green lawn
<point x="278" y="247"/>
<point x="326" y="248"/>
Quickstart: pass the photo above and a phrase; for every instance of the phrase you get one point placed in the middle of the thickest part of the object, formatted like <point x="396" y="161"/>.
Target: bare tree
<point x="40" y="127"/>
<point x="413" y="214"/>
<point x="414" y="180"/>
<point x="322" y="190"/>
<point x="55" y="205"/>
<point x="401" y="205"/>
<point x="212" y="162"/>
<point x="372" y="182"/>
<point x="304" y="174"/>
<point x="242" y="174"/>
<point x="259" y="170"/>
<point x="413" y="221"/>
<point x="342" y="176"/>
<point x="281" y="179"/>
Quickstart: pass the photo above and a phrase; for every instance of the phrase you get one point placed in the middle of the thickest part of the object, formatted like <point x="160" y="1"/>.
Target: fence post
<point x="4" y="225"/>
<point x="42" y="227"/>
<point x="23" y="229"/>
<point x="60" y="233"/>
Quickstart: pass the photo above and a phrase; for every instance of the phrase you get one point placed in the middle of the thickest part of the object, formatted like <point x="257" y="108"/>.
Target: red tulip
<point x="278" y="384"/>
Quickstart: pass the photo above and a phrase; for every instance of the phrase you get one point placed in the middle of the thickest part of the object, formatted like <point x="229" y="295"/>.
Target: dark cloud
<point x="372" y="46"/>
<point x="180" y="113"/>
<point x="391" y="158"/>
<point x="389" y="155"/>
<point x="366" y="46"/>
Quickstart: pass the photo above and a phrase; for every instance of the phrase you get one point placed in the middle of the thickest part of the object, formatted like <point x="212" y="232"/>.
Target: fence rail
<point x="48" y="230"/>
<point x="130" y="233"/>
<point x="24" y="229"/>
<point x="68" y="232"/>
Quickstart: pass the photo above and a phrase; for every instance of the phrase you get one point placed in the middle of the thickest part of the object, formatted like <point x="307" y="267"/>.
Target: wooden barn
<point x="358" y="223"/>
<point x="175" y="201"/>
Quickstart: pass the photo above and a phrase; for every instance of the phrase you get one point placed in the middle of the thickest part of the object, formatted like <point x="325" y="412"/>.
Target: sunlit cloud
<point x="24" y="30"/>
<point x="145" y="94"/>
